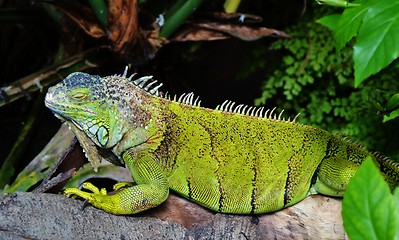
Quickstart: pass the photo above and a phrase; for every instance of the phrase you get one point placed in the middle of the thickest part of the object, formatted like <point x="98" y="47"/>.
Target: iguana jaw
<point x="55" y="108"/>
<point x="68" y="121"/>
<point x="88" y="146"/>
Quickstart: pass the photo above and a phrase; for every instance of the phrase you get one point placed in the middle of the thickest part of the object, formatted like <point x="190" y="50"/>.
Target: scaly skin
<point x="228" y="160"/>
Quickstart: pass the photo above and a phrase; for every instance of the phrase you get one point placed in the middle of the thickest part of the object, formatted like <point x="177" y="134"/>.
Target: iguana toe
<point x="120" y="185"/>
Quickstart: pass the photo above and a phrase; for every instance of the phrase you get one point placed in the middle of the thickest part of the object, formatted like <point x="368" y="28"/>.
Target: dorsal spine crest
<point x="188" y="98"/>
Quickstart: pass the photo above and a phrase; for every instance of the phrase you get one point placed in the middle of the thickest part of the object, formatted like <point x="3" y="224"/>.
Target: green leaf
<point x="368" y="208"/>
<point x="349" y="24"/>
<point x="377" y="42"/>
<point x="393" y="102"/>
<point x="391" y="115"/>
<point x="330" y="21"/>
<point x="396" y="198"/>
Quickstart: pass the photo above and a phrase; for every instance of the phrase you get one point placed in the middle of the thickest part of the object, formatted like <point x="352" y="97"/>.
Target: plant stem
<point x="178" y="14"/>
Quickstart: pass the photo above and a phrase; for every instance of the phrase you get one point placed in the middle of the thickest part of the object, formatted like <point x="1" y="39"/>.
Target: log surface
<point x="51" y="216"/>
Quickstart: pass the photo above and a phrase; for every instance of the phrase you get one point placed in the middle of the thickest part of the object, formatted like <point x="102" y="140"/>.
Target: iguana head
<point x="111" y="112"/>
<point x="81" y="99"/>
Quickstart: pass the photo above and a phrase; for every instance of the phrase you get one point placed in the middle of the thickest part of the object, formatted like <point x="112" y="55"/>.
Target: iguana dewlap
<point x="234" y="159"/>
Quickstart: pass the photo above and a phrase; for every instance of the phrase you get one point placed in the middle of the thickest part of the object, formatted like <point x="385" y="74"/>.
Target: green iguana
<point x="233" y="159"/>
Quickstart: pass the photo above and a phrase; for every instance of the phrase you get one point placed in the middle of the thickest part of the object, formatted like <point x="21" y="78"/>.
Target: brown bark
<point x="50" y="216"/>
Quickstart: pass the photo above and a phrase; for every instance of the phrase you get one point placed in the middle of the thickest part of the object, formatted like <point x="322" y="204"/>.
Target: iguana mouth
<point x="66" y="120"/>
<point x="59" y="110"/>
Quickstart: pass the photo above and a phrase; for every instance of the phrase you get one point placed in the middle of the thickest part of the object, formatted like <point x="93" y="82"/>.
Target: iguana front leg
<point x="151" y="190"/>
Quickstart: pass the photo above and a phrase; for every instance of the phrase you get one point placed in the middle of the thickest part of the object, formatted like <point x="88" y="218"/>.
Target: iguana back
<point x="230" y="159"/>
<point x="235" y="163"/>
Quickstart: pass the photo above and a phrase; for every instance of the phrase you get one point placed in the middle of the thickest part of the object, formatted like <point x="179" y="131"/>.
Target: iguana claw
<point x="76" y="192"/>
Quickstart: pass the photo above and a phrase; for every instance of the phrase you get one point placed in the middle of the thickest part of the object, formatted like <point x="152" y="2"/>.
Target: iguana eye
<point x="102" y="136"/>
<point x="79" y="96"/>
